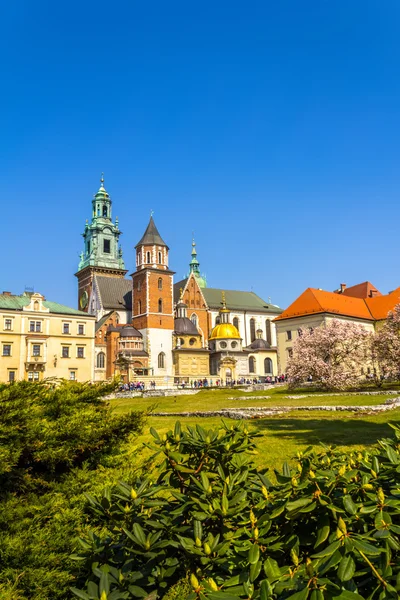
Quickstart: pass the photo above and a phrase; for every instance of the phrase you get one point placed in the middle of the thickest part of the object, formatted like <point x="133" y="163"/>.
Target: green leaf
<point x="323" y="530"/>
<point x="300" y="595"/>
<point x="349" y="505"/>
<point x="328" y="551"/>
<point x="347" y="568"/>
<point x="382" y="520"/>
<point x="154" y="433"/>
<point x="139" y="533"/>
<point x="291" y="506"/>
<point x="80" y="593"/>
<point x="366" y="548"/>
<point x="254" y="554"/>
<point x="137" y="591"/>
<point x="346" y="595"/>
<point x="255" y="571"/>
<point x="271" y="569"/>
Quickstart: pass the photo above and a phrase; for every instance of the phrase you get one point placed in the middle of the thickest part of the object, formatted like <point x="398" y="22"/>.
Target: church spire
<point x="194" y="267"/>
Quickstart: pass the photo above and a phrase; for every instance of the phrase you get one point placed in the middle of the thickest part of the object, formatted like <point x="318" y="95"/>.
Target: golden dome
<point x="225" y="331"/>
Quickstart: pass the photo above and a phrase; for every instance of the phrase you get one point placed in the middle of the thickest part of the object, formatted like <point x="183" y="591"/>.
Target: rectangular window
<point x="290" y="352"/>
<point x="106" y="246"/>
<point x="31" y="325"/>
<point x="36" y="350"/>
<point x="11" y="376"/>
<point x="65" y="327"/>
<point x="288" y="335"/>
<point x="80" y="352"/>
<point x="72" y="375"/>
<point x="33" y="376"/>
<point x="6" y="349"/>
<point x="38" y="326"/>
<point x="8" y="324"/>
<point x="81" y="329"/>
<point x="65" y="352"/>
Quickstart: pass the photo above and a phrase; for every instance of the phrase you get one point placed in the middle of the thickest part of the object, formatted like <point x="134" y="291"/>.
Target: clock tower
<point x="102" y="254"/>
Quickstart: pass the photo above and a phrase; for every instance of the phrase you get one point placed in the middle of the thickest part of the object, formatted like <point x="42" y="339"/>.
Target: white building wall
<point x="156" y="341"/>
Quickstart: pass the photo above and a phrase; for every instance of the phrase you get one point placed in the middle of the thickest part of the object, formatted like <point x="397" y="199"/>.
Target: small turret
<point x="194" y="267"/>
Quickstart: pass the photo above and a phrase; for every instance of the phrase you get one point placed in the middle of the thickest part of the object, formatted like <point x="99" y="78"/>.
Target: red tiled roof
<point x="314" y="301"/>
<point x="380" y="306"/>
<point x="362" y="290"/>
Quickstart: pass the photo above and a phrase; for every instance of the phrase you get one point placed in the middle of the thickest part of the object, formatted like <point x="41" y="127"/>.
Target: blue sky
<point x="270" y="129"/>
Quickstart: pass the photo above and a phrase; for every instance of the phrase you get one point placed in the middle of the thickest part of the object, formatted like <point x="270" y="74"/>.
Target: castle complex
<point x="149" y="328"/>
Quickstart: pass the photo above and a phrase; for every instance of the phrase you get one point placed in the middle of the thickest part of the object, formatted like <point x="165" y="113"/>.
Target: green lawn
<point x="217" y="399"/>
<point x="282" y="436"/>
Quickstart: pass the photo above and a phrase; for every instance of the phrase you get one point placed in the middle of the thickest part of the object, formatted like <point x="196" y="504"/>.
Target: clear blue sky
<point x="271" y="129"/>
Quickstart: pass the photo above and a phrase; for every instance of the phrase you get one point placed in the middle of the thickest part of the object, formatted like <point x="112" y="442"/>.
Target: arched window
<point x="193" y="318"/>
<point x="101" y="360"/>
<point x="217" y="320"/>
<point x="98" y="211"/>
<point x="139" y="307"/>
<point x="268" y="366"/>
<point x="159" y="258"/>
<point x="252" y="364"/>
<point x="105" y="212"/>
<point x="148" y="257"/>
<point x="268" y="335"/>
<point x="252" y="332"/>
<point x="235" y="322"/>
<point x="160" y="305"/>
<point x="161" y="360"/>
<point x="160" y="283"/>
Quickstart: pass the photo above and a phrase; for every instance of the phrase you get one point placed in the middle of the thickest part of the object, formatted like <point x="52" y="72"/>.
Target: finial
<point x="223" y="300"/>
<point x="151" y="213"/>
<point x="102" y="179"/>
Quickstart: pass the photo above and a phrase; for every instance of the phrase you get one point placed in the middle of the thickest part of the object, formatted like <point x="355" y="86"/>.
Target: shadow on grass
<point x="329" y="431"/>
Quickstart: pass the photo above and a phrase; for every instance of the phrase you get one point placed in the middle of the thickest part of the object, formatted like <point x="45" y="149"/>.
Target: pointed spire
<point x="194" y="266"/>
<point x="151" y="237"/>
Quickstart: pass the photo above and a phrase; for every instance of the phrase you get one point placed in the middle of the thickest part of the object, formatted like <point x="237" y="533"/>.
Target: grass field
<point x="281" y="437"/>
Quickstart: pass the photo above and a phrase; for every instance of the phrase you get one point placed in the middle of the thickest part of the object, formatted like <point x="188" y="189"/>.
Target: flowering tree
<point x="386" y="346"/>
<point x="332" y="355"/>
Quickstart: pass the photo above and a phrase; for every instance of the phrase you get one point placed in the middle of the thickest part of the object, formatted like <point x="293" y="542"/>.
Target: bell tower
<point x="152" y="300"/>
<point x="102" y="254"/>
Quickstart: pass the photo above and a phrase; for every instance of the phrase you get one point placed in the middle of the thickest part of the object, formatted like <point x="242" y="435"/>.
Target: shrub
<point x="55" y="443"/>
<point x="328" y="529"/>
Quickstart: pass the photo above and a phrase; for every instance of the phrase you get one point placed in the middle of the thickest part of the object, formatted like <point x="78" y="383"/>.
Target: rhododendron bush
<point x="332" y="355"/>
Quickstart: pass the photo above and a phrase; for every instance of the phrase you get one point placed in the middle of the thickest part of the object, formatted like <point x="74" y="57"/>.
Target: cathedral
<point x="149" y="328"/>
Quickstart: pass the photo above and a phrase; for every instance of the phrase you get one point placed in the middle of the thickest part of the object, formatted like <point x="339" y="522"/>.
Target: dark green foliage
<point x="55" y="444"/>
<point x="329" y="529"/>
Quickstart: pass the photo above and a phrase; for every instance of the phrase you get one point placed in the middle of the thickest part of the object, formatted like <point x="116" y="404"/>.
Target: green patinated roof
<point x="238" y="300"/>
<point x="235" y="299"/>
<point x="18" y="303"/>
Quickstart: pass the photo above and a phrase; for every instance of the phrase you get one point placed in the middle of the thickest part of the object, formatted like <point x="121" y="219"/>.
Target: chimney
<point x="343" y="286"/>
<point x="6" y="293"/>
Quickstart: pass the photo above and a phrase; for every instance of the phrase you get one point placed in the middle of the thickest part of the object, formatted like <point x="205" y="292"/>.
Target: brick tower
<point x="102" y="254"/>
<point x="152" y="300"/>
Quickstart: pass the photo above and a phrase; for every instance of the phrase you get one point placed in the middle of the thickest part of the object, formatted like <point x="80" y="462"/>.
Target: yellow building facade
<point x="41" y="339"/>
